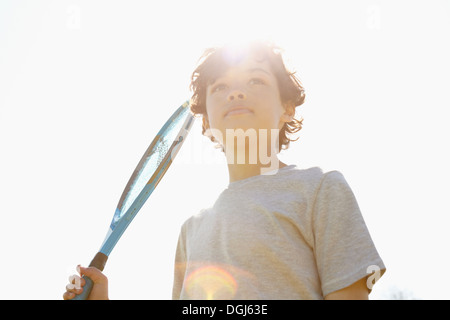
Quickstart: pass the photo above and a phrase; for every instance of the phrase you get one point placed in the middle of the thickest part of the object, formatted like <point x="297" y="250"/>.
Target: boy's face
<point x="246" y="97"/>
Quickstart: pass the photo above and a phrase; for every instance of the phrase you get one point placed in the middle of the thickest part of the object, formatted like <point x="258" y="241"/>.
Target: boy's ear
<point x="205" y="123"/>
<point x="289" y="112"/>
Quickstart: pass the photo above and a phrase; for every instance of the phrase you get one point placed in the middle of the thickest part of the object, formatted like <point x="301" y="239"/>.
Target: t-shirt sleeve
<point x="180" y="266"/>
<point x="343" y="248"/>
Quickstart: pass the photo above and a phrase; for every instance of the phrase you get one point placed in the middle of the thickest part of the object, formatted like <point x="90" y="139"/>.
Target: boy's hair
<point x="216" y="61"/>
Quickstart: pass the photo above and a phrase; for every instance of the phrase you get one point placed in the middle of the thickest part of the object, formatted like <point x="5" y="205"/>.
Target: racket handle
<point x="98" y="262"/>
<point x="86" y="289"/>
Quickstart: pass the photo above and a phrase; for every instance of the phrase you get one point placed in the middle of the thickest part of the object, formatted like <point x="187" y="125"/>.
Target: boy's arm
<point x="355" y="291"/>
<point x="180" y="267"/>
<point x="343" y="248"/>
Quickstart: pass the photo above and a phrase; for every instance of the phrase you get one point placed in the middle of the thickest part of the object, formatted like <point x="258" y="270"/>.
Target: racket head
<point x="149" y="171"/>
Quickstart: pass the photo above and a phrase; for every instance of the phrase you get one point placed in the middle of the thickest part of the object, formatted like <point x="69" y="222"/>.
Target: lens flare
<point x="212" y="282"/>
<point x="235" y="52"/>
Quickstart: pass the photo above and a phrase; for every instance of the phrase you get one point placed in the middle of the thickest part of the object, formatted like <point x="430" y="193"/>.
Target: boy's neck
<point x="238" y="172"/>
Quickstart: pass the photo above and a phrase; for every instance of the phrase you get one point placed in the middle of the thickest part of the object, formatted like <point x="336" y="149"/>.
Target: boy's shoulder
<point x="304" y="181"/>
<point x="315" y="175"/>
<point x="307" y="177"/>
<point x="305" y="173"/>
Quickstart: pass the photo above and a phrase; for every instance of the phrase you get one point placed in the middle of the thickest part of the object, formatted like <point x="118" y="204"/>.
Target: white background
<point x="85" y="85"/>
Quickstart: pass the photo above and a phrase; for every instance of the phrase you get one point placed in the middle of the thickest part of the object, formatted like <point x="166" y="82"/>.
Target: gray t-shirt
<point x="296" y="234"/>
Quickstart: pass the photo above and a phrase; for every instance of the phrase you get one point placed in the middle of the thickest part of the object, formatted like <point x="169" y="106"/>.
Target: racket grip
<point x="86" y="289"/>
<point x="98" y="262"/>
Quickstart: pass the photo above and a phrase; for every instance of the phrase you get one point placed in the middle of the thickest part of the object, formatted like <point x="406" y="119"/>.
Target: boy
<point x="276" y="231"/>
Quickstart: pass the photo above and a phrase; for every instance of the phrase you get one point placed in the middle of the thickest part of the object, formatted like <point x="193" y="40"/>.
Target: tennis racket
<point x="148" y="173"/>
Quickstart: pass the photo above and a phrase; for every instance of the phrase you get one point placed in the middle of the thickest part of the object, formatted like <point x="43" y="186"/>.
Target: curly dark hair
<point x="214" y="63"/>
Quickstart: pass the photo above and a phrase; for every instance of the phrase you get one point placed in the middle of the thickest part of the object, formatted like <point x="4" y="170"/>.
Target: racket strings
<point x="154" y="158"/>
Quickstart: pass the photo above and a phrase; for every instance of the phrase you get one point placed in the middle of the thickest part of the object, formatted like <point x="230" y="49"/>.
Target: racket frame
<point x="116" y="230"/>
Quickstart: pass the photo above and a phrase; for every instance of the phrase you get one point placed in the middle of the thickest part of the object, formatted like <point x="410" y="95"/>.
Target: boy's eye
<point x="222" y="86"/>
<point x="256" y="81"/>
<point x="218" y="87"/>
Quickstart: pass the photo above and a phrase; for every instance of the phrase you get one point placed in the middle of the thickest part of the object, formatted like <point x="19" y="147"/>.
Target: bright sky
<point x="85" y="85"/>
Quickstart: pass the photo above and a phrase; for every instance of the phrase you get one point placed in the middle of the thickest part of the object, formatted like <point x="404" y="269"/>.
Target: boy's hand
<point x="76" y="283"/>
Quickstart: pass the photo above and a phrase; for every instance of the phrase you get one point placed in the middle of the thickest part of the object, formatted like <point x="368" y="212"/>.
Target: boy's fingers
<point x="71" y="288"/>
<point x="76" y="283"/>
<point x="96" y="275"/>
<point x="68" y="295"/>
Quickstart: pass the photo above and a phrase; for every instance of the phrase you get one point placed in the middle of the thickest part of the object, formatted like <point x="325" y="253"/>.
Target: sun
<point x="240" y="22"/>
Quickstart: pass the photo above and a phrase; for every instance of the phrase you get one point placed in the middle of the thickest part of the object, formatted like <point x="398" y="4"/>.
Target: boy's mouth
<point x="237" y="111"/>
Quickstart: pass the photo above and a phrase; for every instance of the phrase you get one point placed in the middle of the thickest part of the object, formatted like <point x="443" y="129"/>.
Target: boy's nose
<point x="236" y="94"/>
